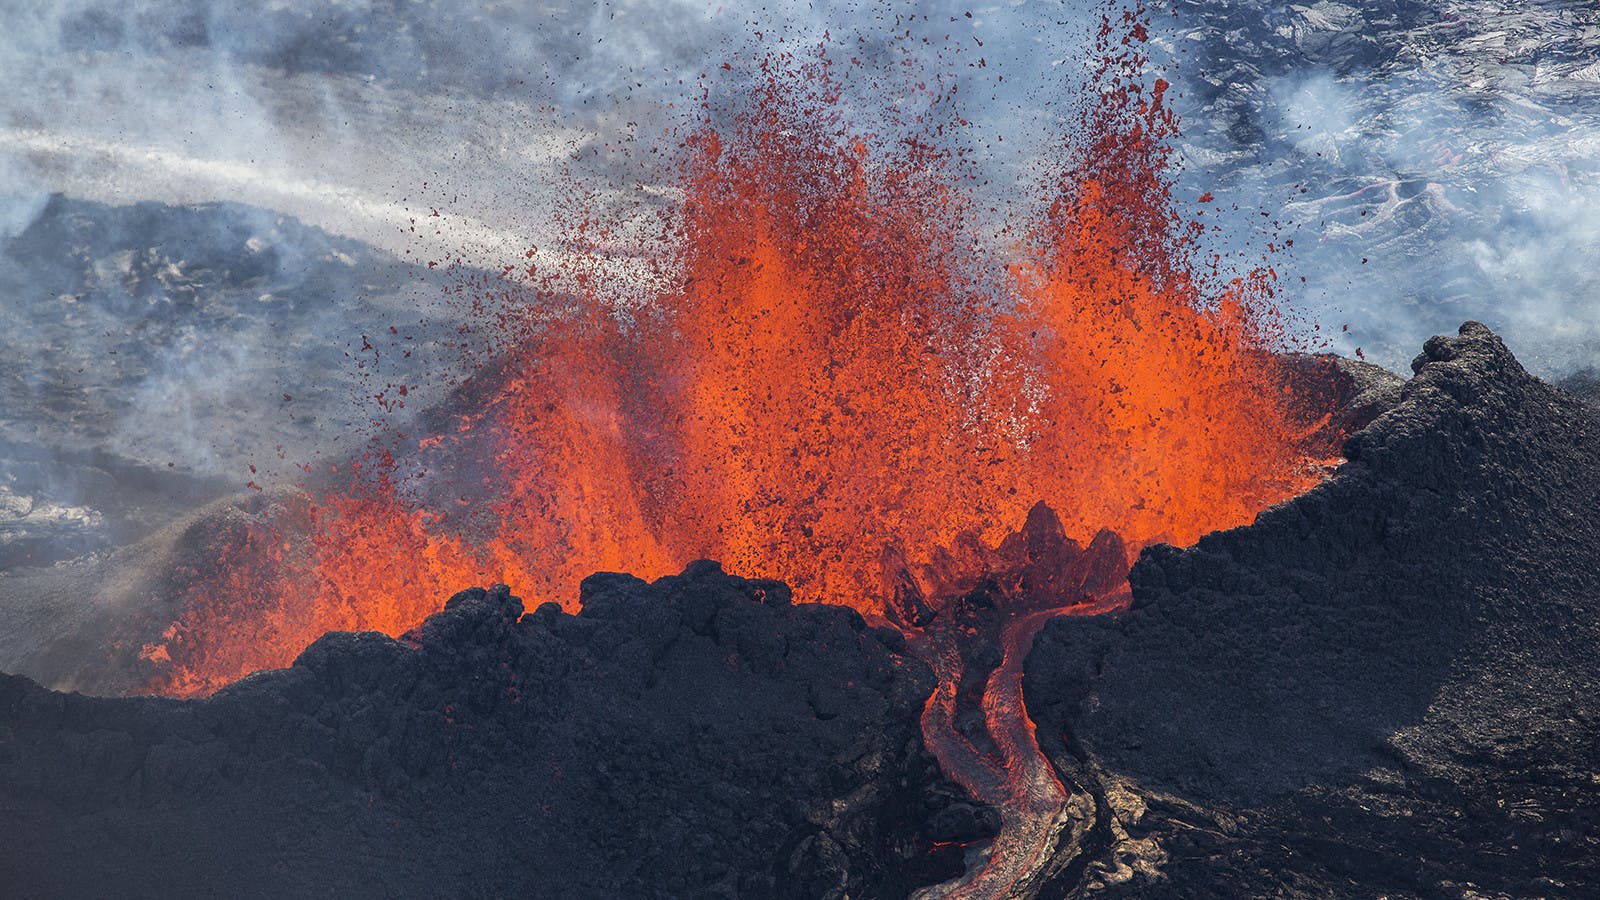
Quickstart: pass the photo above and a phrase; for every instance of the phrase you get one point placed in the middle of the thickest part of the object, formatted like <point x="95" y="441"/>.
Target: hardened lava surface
<point x="1384" y="687"/>
<point x="695" y="737"/>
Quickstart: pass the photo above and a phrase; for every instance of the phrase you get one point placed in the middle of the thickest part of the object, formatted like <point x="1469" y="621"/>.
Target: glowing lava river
<point x="821" y="379"/>
<point x="987" y="609"/>
<point x="1017" y="780"/>
<point x="1014" y="777"/>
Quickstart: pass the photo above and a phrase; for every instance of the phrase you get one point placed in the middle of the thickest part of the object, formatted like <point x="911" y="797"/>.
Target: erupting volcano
<point x="864" y="471"/>
<point x="827" y="372"/>
<point x="821" y="362"/>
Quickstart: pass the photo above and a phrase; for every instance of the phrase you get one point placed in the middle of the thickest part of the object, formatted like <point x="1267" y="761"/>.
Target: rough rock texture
<point x="698" y="737"/>
<point x="1387" y="686"/>
<point x="1583" y="384"/>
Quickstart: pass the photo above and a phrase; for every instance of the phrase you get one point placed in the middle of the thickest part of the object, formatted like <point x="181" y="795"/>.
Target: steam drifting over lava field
<point x="1100" y="572"/>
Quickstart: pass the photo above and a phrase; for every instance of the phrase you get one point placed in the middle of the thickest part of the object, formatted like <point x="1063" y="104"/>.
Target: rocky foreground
<point x="1387" y="686"/>
<point x="1384" y="687"/>
<point x="698" y="737"/>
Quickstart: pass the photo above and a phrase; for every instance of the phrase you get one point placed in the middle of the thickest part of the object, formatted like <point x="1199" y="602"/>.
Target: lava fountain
<point x="819" y="378"/>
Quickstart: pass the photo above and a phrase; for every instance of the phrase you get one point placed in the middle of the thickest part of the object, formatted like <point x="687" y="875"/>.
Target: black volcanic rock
<point x="1583" y="384"/>
<point x="1387" y="686"/>
<point x="695" y="737"/>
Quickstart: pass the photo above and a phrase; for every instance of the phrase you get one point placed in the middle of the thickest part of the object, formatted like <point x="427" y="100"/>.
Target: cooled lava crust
<point x="1385" y="686"/>
<point x="698" y="737"/>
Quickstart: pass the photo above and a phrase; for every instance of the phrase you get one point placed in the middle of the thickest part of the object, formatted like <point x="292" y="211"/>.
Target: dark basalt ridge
<point x="1385" y="687"/>
<point x="695" y="737"/>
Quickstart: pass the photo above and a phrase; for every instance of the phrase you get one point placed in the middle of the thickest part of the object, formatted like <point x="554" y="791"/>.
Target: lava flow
<point x="972" y="615"/>
<point x="820" y="379"/>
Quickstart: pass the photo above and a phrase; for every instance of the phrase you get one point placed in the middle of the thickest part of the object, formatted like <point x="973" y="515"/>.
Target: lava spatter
<point x="819" y="377"/>
<point x="819" y="363"/>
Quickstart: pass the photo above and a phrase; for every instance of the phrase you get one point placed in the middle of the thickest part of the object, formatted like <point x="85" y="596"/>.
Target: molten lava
<point x="819" y="377"/>
<point x="822" y="367"/>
